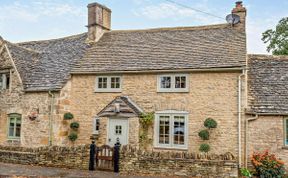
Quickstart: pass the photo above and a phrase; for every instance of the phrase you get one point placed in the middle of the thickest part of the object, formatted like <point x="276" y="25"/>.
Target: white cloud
<point x="37" y="9"/>
<point x="175" y="12"/>
<point x="165" y="10"/>
<point x="17" y="11"/>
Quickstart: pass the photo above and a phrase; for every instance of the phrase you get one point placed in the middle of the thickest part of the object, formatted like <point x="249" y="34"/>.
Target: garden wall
<point x="132" y="161"/>
<point x="55" y="156"/>
<point x="135" y="162"/>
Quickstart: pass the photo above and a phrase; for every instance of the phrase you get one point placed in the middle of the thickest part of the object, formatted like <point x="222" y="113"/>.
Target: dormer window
<point x="108" y="84"/>
<point x="4" y="81"/>
<point x="173" y="83"/>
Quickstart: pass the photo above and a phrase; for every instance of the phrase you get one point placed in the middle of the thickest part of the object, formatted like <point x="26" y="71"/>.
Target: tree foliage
<point x="278" y="38"/>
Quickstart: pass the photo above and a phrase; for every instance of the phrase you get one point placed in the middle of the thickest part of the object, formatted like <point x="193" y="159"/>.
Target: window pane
<point x="115" y="82"/>
<point x="1" y="81"/>
<point x="164" y="129"/>
<point x="118" y="129"/>
<point x="286" y="132"/>
<point x="165" y="82"/>
<point x="180" y="82"/>
<point x="179" y="130"/>
<point x="102" y="82"/>
<point x="18" y="130"/>
<point x="11" y="127"/>
<point x="97" y="125"/>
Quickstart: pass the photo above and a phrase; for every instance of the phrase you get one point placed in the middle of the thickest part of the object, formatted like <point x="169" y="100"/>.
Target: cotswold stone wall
<point x="66" y="157"/>
<point x="267" y="133"/>
<point x="211" y="94"/>
<point x="135" y="162"/>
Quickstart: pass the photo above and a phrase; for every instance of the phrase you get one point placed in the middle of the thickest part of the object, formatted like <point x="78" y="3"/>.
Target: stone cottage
<point x="108" y="78"/>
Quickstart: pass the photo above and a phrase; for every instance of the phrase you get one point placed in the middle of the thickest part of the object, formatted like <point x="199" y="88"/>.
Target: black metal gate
<point x="104" y="157"/>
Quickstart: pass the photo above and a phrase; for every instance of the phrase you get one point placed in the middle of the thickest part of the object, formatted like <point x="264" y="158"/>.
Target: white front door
<point x="118" y="128"/>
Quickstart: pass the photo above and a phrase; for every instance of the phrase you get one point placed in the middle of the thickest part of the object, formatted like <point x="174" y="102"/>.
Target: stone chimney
<point x="99" y="21"/>
<point x="241" y="11"/>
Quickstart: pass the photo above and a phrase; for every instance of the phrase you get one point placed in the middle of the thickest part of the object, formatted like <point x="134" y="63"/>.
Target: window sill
<point x="285" y="147"/>
<point x="169" y="148"/>
<point x="13" y="139"/>
<point x="107" y="91"/>
<point x="173" y="91"/>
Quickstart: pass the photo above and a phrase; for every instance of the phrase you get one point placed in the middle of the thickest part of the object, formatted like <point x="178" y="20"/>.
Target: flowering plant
<point x="33" y="115"/>
<point x="267" y="165"/>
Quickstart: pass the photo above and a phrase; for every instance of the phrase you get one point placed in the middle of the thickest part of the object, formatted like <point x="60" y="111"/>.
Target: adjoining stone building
<point x="108" y="78"/>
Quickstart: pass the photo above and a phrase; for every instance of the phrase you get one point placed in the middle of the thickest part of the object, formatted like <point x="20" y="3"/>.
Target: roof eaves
<point x="236" y="68"/>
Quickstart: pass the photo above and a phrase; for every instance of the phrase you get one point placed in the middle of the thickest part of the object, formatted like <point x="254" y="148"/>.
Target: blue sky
<point x="26" y="20"/>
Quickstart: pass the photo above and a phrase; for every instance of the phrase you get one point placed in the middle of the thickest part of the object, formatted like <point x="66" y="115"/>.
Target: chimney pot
<point x="241" y="11"/>
<point x="239" y="4"/>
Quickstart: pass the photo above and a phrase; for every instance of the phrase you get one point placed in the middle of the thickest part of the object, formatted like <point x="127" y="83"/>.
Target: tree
<point x="278" y="38"/>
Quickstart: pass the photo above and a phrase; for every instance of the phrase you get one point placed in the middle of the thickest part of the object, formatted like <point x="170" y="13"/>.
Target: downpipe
<point x="239" y="117"/>
<point x="51" y="117"/>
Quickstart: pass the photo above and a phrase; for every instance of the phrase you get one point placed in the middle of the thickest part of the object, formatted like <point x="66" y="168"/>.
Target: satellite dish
<point x="233" y="19"/>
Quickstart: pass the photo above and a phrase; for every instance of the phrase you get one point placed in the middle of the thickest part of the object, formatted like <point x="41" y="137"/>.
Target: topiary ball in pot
<point x="204" y="148"/>
<point x="74" y="125"/>
<point x="204" y="134"/>
<point x="73" y="136"/>
<point x="210" y="123"/>
<point x="68" y="116"/>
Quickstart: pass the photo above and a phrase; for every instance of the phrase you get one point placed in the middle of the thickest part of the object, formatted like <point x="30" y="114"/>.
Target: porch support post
<point x="117" y="156"/>
<point x="92" y="156"/>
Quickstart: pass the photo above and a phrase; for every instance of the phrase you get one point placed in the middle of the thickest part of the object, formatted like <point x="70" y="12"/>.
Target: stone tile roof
<point x="268" y="84"/>
<point x="45" y="65"/>
<point x="214" y="46"/>
<point x="121" y="106"/>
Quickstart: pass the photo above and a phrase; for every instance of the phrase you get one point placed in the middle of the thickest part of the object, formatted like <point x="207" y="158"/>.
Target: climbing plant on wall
<point x="146" y="121"/>
<point x="204" y="134"/>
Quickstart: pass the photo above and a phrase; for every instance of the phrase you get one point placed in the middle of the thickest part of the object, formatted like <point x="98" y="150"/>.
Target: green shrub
<point x="204" y="134"/>
<point x="68" y="116"/>
<point x="267" y="165"/>
<point x="210" y="123"/>
<point x="73" y="136"/>
<point x="146" y="119"/>
<point x="204" y="148"/>
<point x="245" y="172"/>
<point x="74" y="125"/>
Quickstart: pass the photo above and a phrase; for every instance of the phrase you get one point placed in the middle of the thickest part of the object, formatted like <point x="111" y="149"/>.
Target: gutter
<point x="236" y="69"/>
<point x="239" y="118"/>
<point x="247" y="138"/>
<point x="268" y="114"/>
<point x="51" y="118"/>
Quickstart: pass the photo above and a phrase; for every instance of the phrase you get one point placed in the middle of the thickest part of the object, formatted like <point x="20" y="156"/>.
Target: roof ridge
<point x="27" y="49"/>
<point x="54" y="39"/>
<point x="202" y="27"/>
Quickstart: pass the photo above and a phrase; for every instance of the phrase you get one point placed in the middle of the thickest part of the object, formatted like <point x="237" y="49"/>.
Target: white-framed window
<point x="171" y="129"/>
<point x="14" y="126"/>
<point x="108" y="84"/>
<point x="4" y="81"/>
<point x="173" y="83"/>
<point x="96" y="125"/>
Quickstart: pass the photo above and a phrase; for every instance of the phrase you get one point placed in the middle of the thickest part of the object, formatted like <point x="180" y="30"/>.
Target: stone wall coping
<point x="18" y="152"/>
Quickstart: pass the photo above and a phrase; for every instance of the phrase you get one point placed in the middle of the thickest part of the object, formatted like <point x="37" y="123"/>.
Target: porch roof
<point x="121" y="106"/>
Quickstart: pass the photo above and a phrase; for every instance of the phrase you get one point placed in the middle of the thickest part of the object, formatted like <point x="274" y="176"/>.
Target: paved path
<point x="26" y="171"/>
